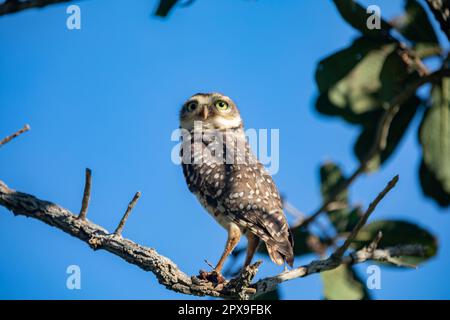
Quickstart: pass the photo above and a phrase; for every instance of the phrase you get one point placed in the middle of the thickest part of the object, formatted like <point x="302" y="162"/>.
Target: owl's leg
<point x="252" y="246"/>
<point x="234" y="235"/>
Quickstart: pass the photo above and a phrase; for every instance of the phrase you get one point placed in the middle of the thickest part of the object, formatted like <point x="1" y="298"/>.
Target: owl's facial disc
<point x="215" y="111"/>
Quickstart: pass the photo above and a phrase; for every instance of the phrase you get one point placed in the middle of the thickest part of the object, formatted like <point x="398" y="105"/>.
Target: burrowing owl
<point x="229" y="181"/>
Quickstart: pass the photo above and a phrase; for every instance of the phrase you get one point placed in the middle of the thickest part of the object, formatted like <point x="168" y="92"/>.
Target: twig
<point x="362" y="221"/>
<point x="86" y="195"/>
<point x="389" y="255"/>
<point x="374" y="244"/>
<point x="14" y="135"/>
<point x="130" y="207"/>
<point x="397" y="262"/>
<point x="412" y="60"/>
<point x="380" y="141"/>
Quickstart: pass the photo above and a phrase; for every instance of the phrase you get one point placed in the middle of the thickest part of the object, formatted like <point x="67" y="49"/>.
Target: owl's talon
<point x="212" y="276"/>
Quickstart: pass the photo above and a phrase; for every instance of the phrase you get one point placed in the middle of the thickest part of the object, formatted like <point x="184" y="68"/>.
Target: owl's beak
<point x="204" y="112"/>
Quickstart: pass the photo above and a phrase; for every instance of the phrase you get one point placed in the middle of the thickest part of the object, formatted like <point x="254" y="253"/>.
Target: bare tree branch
<point x="13" y="6"/>
<point x="166" y="271"/>
<point x="14" y="135"/>
<point x="97" y="237"/>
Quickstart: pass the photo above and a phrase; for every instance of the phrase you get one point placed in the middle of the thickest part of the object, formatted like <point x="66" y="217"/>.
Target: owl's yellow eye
<point x="222" y="105"/>
<point x="191" y="106"/>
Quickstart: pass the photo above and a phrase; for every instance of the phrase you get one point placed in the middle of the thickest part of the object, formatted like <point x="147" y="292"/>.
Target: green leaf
<point x="343" y="219"/>
<point x="334" y="68"/>
<point x="350" y="82"/>
<point x="331" y="177"/>
<point x="434" y="136"/>
<point x="343" y="283"/>
<point x="393" y="76"/>
<point x="301" y="238"/>
<point x="398" y="232"/>
<point x="431" y="187"/>
<point x="164" y="7"/>
<point x="357" y="17"/>
<point x="416" y="27"/>
<point x="398" y="128"/>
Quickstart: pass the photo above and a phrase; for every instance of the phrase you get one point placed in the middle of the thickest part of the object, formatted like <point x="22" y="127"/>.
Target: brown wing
<point x="263" y="215"/>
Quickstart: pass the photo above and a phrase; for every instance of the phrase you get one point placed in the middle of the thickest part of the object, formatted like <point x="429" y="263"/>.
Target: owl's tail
<point x="279" y="253"/>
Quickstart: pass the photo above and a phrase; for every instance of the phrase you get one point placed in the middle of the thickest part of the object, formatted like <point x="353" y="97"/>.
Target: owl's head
<point x="214" y="110"/>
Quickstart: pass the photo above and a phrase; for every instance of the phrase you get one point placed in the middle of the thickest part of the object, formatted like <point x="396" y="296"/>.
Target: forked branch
<point x="166" y="271"/>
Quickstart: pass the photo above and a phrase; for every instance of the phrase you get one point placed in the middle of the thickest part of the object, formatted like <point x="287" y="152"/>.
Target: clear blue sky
<point x="107" y="97"/>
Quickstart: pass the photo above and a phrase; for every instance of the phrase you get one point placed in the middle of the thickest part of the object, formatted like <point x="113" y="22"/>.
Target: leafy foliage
<point x="359" y="82"/>
<point x="348" y="81"/>
<point x="301" y="239"/>
<point x="398" y="129"/>
<point x="343" y="283"/>
<point x="434" y="137"/>
<point x="395" y="232"/>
